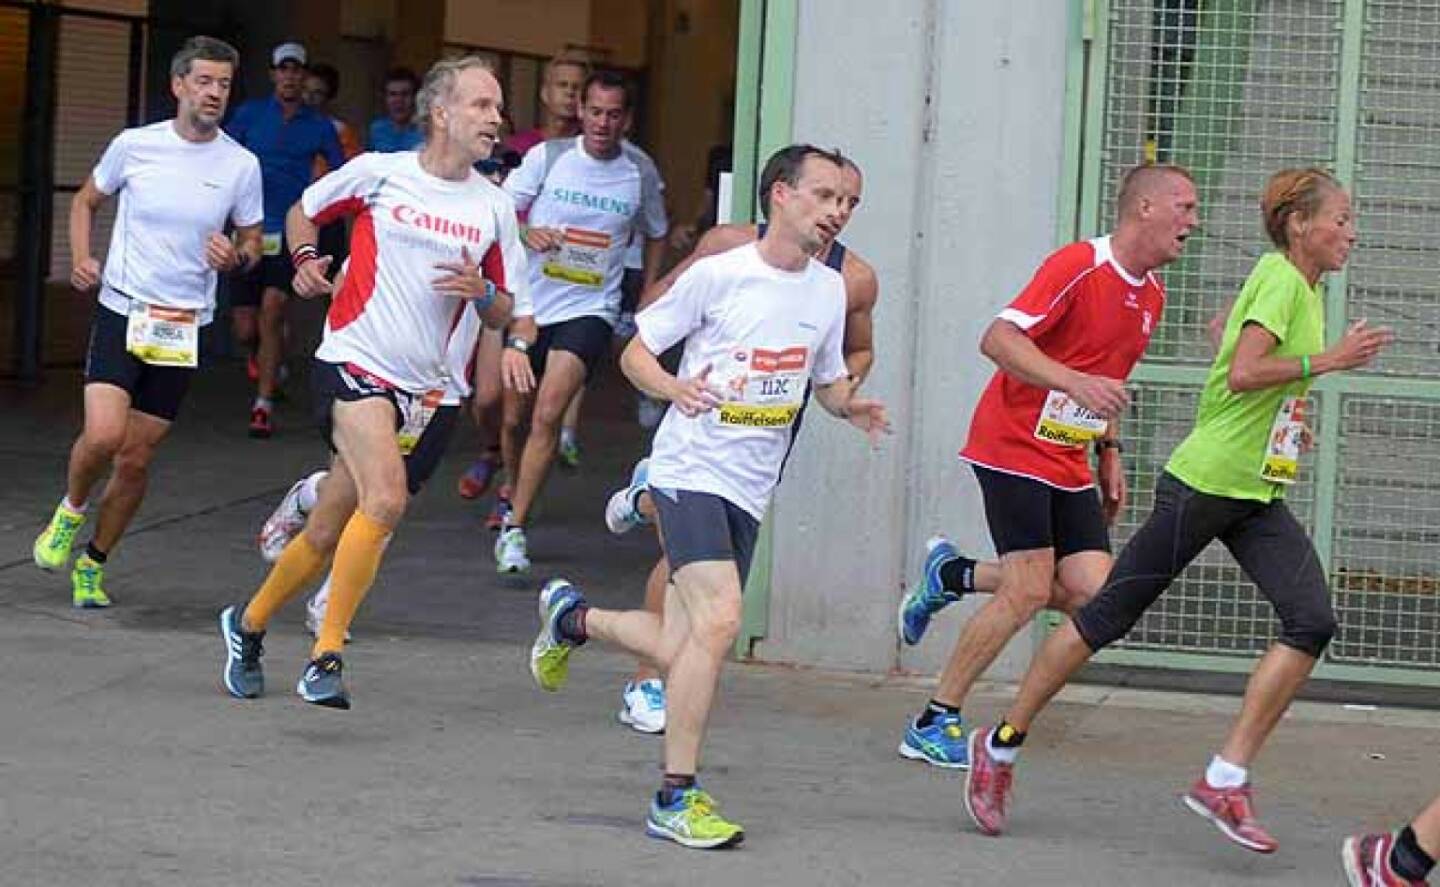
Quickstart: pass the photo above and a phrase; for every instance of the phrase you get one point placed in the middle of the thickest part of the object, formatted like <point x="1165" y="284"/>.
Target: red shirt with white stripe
<point x="1082" y="310"/>
<point x="387" y="318"/>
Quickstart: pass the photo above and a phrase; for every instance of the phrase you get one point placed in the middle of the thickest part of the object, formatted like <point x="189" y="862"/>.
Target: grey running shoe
<point x="322" y="684"/>
<point x="243" y="676"/>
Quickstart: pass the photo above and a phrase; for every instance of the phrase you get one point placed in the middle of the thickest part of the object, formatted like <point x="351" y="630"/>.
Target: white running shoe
<point x="642" y="706"/>
<point x="286" y="521"/>
<point x="510" y="555"/>
<point x="621" y="513"/>
<point x="315" y="610"/>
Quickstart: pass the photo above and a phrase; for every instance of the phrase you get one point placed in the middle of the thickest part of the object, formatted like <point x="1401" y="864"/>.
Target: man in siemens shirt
<point x="179" y="181"/>
<point x="287" y="136"/>
<point x="585" y="197"/>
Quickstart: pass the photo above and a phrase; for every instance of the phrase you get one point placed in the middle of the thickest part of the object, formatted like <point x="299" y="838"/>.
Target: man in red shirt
<point x="1064" y="348"/>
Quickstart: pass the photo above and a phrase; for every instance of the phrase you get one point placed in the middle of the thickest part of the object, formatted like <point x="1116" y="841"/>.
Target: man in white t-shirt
<point x="585" y="197"/>
<point x="424" y="250"/>
<point x="759" y="323"/>
<point x="179" y="181"/>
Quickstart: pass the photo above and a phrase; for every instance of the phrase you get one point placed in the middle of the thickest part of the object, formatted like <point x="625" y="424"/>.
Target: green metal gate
<point x="1234" y="90"/>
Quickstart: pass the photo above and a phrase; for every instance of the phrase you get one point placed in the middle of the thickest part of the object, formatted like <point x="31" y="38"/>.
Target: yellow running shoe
<point x="86" y="580"/>
<point x="550" y="654"/>
<point x="693" y="821"/>
<point x="52" y="547"/>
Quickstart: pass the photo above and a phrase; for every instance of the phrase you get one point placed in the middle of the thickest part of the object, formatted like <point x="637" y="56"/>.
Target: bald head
<point x="1148" y="182"/>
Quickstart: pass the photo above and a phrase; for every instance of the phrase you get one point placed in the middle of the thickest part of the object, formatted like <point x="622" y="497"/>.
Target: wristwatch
<point x="1104" y="444"/>
<point x="518" y="344"/>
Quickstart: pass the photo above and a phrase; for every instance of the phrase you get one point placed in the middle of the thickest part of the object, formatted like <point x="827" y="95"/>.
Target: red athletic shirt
<point x="1085" y="311"/>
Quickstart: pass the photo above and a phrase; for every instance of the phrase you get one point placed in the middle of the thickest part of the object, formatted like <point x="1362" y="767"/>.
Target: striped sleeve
<point x="1047" y="297"/>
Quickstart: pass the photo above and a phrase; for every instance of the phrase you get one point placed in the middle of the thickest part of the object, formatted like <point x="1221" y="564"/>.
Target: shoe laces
<point x="328" y="663"/>
<point x="251" y="646"/>
<point x="65" y="529"/>
<point x="87" y="574"/>
<point x="653" y="693"/>
<point x="699" y="804"/>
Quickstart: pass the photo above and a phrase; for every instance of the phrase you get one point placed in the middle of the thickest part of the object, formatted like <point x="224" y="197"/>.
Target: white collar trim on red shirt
<point x="1105" y="253"/>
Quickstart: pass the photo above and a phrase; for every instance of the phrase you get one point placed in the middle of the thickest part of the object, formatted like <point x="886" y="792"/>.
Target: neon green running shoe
<point x="86" y="580"/>
<point x="692" y="821"/>
<point x="52" y="547"/>
<point x="550" y="654"/>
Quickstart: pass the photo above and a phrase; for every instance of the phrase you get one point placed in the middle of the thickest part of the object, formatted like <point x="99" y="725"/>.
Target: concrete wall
<point x="956" y="119"/>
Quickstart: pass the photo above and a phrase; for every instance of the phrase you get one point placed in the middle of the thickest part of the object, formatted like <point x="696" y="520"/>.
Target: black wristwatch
<point x="518" y="344"/>
<point x="1106" y="444"/>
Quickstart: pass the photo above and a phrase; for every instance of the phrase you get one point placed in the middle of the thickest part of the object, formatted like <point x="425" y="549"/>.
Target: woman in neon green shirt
<point x="1226" y="481"/>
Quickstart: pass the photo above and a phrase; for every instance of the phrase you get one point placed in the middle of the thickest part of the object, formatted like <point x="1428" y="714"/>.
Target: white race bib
<point x="163" y="336"/>
<point x="581" y="259"/>
<point x="768" y="391"/>
<point x="415" y="416"/>
<point x="1065" y="422"/>
<point x="270" y="244"/>
<point x="1282" y="448"/>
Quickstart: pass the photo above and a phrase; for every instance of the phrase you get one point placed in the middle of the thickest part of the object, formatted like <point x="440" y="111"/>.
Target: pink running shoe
<point x="1367" y="862"/>
<point x="987" y="785"/>
<point x="1232" y="810"/>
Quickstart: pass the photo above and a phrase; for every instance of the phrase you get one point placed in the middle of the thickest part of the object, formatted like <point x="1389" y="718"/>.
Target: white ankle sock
<point x="78" y="509"/>
<point x="1003" y="755"/>
<point x="1223" y="774"/>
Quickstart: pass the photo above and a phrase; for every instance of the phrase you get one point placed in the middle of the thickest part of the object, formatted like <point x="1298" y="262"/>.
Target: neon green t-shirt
<point x="1226" y="452"/>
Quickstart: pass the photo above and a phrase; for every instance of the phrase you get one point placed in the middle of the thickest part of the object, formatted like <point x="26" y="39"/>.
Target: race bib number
<point x="1282" y="448"/>
<point x="270" y="244"/>
<point x="767" y="391"/>
<point x="1065" y="422"/>
<point x="581" y="259"/>
<point x="163" y="336"/>
<point x="415" y="416"/>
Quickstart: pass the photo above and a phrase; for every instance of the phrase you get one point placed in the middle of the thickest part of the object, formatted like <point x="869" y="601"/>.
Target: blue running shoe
<point x="942" y="744"/>
<point x="323" y="684"/>
<point x="929" y="596"/>
<point x="243" y="677"/>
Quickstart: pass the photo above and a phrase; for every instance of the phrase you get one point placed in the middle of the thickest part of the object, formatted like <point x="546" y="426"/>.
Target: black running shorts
<point x="704" y="527"/>
<point x="154" y="390"/>
<point x="1026" y="514"/>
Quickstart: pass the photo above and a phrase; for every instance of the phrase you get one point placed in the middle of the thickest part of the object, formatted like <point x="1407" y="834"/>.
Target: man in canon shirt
<point x="1064" y="349"/>
<point x="462" y="356"/>
<point x="178" y="182"/>
<point x="425" y="249"/>
<point x="760" y="324"/>
<point x="585" y="197"/>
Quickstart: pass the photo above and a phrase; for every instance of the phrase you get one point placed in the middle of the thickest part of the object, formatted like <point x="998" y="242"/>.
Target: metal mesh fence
<point x="1234" y="90"/>
<point x="1397" y="182"/>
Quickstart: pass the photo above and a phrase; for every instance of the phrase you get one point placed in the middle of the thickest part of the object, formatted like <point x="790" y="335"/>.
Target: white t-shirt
<point x="635" y="253"/>
<point x="599" y="204"/>
<point x="174" y="194"/>
<point x="765" y="333"/>
<point x="386" y="318"/>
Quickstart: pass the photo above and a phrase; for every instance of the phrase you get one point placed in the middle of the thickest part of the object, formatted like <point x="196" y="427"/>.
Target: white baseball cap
<point x="287" y="52"/>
